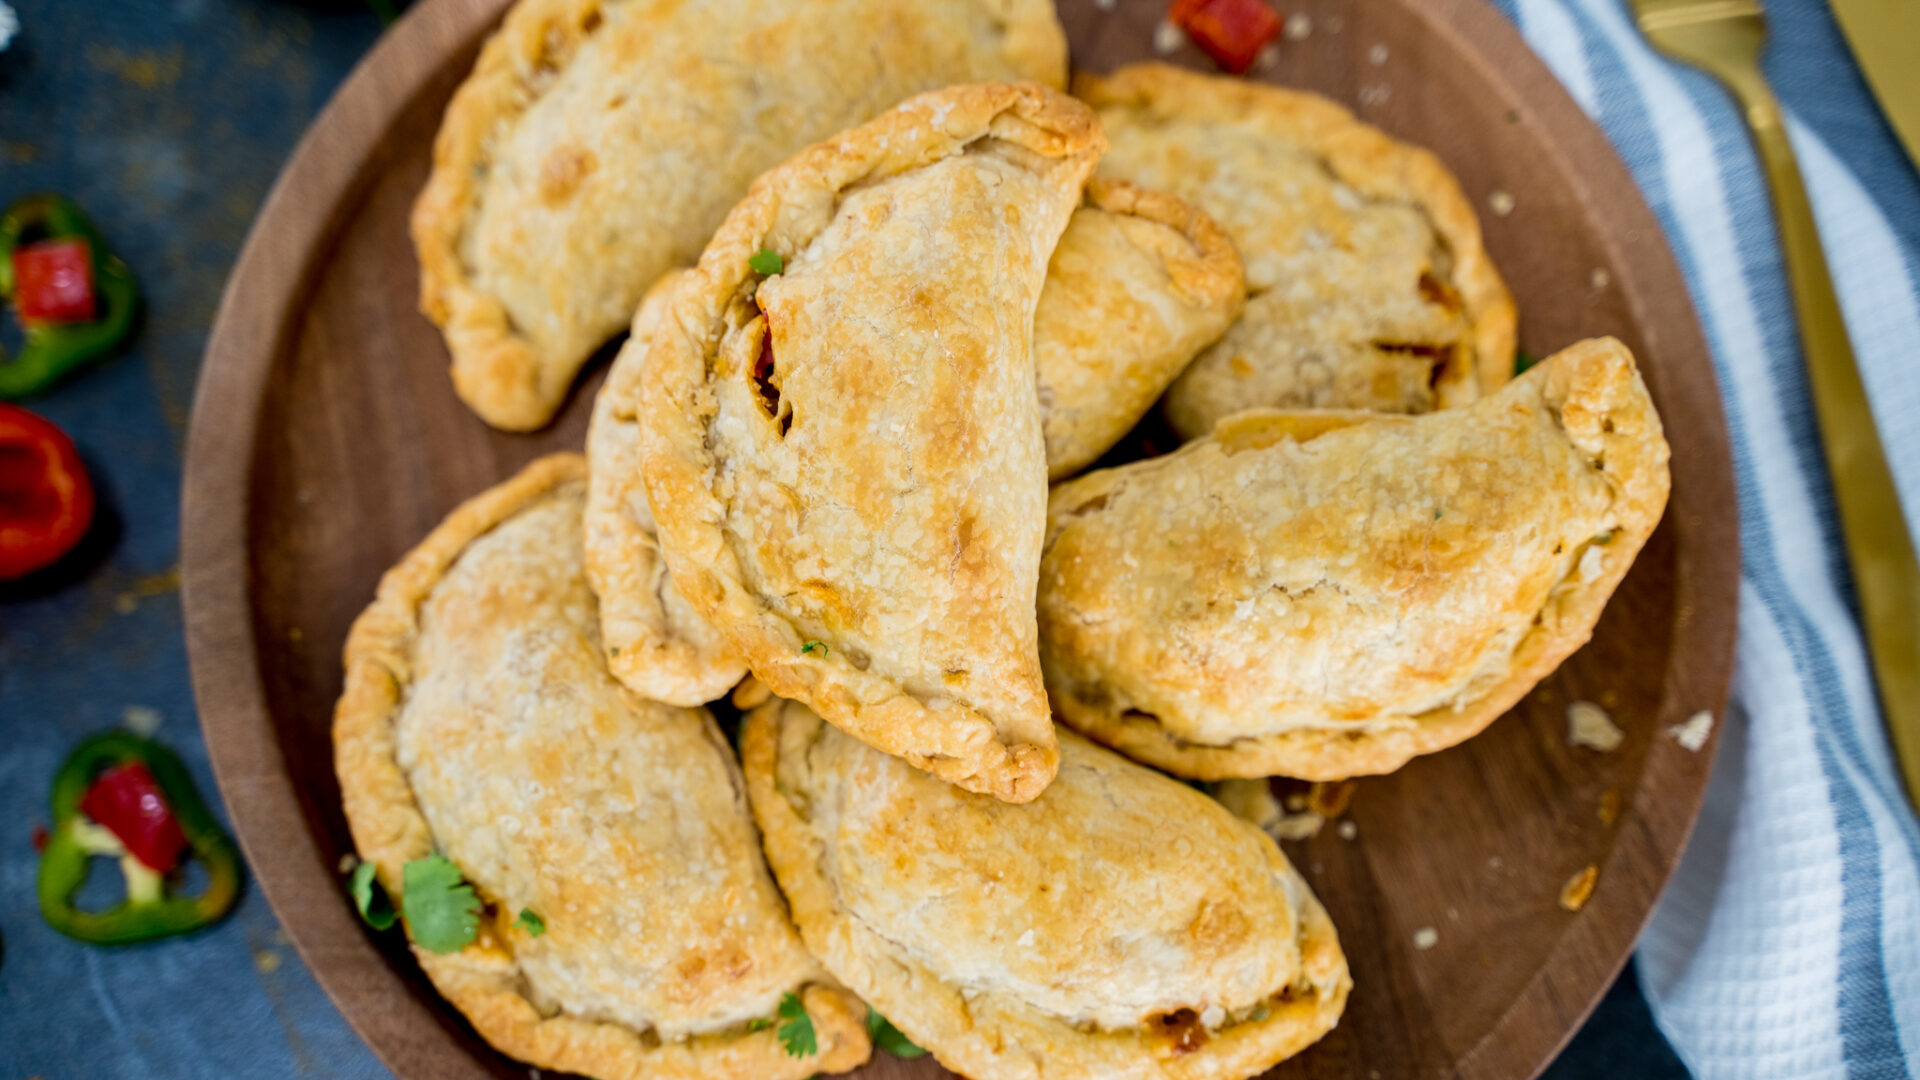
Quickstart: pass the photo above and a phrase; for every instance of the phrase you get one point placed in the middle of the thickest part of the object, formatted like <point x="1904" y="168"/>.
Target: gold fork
<point x="1723" y="38"/>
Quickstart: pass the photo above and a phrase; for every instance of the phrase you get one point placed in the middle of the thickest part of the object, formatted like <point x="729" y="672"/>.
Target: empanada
<point x="1325" y="595"/>
<point x="1368" y="284"/>
<point x="844" y="458"/>
<point x="1138" y="283"/>
<point x="478" y="721"/>
<point x="599" y="142"/>
<point x="1120" y="925"/>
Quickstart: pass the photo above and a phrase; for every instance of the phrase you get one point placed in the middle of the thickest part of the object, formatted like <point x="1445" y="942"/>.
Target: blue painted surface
<point x="168" y="120"/>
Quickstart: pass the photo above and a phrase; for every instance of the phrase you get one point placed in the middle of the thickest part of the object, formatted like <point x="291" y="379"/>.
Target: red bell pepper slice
<point x="53" y="282"/>
<point x="127" y="802"/>
<point x="46" y="500"/>
<point x="1231" y="31"/>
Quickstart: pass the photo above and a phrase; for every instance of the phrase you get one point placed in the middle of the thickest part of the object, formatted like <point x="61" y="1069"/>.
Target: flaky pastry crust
<point x="844" y="459"/>
<point x="1326" y="595"/>
<point x="1369" y="284"/>
<point x="598" y="142"/>
<point x="1139" y="284"/>
<point x="1121" y="925"/>
<point x="474" y="723"/>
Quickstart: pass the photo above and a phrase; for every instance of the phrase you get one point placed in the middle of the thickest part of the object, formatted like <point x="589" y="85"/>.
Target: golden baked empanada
<point x="598" y="142"/>
<point x="654" y="641"/>
<point x="478" y="721"/>
<point x="844" y="458"/>
<point x="1120" y="925"/>
<point x="1368" y="284"/>
<point x="1324" y="595"/>
<point x="1139" y="283"/>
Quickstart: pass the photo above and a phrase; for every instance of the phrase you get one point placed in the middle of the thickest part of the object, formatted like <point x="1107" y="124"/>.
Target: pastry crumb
<point x="1377" y="94"/>
<point x="1694" y="732"/>
<point x="1589" y="725"/>
<point x="347" y="863"/>
<point x="1609" y="806"/>
<point x="1298" y="26"/>
<point x="1106" y="5"/>
<point x="1496" y="863"/>
<point x="1213" y="1016"/>
<point x="1425" y="938"/>
<point x="1501" y="203"/>
<point x="1579" y="887"/>
<point x="1348" y="830"/>
<point x="1167" y="38"/>
<point x="126" y="603"/>
<point x="1377" y="55"/>
<point x="1297" y="826"/>
<point x="1268" y="59"/>
<point x="1600" y="278"/>
<point x="267" y="961"/>
<point x="141" y="719"/>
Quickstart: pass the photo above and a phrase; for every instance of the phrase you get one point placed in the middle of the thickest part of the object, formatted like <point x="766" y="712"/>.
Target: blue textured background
<point x="167" y="120"/>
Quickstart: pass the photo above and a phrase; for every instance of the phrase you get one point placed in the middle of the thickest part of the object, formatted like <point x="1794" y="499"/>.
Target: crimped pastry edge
<point x="1362" y="157"/>
<point x="389" y="831"/>
<point x="965" y="1032"/>
<point x="1205" y="272"/>
<point x="1636" y="456"/>
<point x="499" y="373"/>
<point x="958" y="743"/>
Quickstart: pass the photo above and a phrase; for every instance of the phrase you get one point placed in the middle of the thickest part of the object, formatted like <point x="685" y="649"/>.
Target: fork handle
<point x="1885" y="575"/>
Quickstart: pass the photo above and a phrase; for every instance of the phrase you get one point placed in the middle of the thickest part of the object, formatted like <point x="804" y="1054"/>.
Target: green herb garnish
<point x="531" y="922"/>
<point x="1522" y="360"/>
<point x="814" y="646"/>
<point x="1259" y="1014"/>
<point x="443" y="914"/>
<point x="766" y="261"/>
<point x="376" y="910"/>
<point x="889" y="1038"/>
<point x="759" y="1023"/>
<point x="796" y="1028"/>
<point x="1603" y="539"/>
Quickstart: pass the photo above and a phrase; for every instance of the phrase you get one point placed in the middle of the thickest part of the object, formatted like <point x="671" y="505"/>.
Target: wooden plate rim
<point x="293" y="232"/>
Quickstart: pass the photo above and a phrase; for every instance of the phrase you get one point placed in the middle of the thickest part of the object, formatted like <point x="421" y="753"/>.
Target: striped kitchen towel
<point x="1788" y="944"/>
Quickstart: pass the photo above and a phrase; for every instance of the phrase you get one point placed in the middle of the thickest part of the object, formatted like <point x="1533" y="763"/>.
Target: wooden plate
<point x="327" y="440"/>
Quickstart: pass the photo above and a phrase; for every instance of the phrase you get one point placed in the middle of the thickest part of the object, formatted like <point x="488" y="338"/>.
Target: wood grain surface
<point x="327" y="440"/>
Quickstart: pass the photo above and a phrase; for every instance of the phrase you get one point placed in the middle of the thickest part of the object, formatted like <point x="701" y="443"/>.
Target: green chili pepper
<point x="151" y="910"/>
<point x="55" y="350"/>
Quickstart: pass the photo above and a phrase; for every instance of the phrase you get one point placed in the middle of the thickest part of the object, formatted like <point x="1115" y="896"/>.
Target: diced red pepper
<point x="40" y="838"/>
<point x="46" y="499"/>
<point x="1231" y="31"/>
<point x="54" y="281"/>
<point x="126" y="801"/>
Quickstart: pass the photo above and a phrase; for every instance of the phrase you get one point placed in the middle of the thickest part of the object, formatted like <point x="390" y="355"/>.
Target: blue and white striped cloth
<point x="1788" y="945"/>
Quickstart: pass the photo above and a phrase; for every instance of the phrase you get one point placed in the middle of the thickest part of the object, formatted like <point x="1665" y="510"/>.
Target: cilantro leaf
<point x="813" y="646"/>
<point x="796" y="1028"/>
<point x="1522" y="360"/>
<point x="766" y="261"/>
<point x="375" y="909"/>
<point x="889" y="1038"/>
<point x="443" y="914"/>
<point x="531" y="922"/>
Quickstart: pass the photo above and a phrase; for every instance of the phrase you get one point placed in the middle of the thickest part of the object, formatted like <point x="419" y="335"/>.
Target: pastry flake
<point x="479" y="722"/>
<point x="1328" y="595"/>
<point x="1368" y="284"/>
<point x="1139" y="284"/>
<point x="1121" y="924"/>
<point x="599" y="142"/>
<point x="844" y="459"/>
